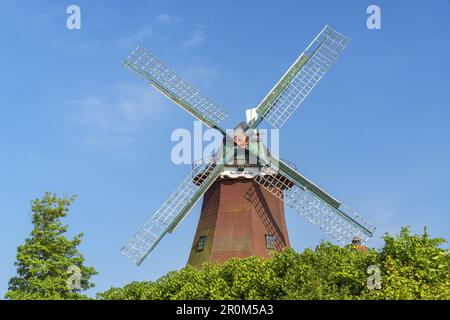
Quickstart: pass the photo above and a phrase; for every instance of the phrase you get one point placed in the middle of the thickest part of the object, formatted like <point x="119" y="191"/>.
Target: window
<point x="201" y="243"/>
<point x="270" y="241"/>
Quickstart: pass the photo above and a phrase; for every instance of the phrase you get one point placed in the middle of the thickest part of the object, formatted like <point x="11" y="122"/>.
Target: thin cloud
<point x="204" y="75"/>
<point x="136" y="38"/>
<point x="165" y="19"/>
<point x="138" y="103"/>
<point x="196" y="38"/>
<point x="115" y="121"/>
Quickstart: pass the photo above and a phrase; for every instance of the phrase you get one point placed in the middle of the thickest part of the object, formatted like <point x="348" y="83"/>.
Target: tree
<point x="44" y="260"/>
<point x="412" y="266"/>
<point x="328" y="272"/>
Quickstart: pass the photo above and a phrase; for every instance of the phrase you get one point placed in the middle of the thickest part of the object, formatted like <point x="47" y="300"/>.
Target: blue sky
<point x="374" y="133"/>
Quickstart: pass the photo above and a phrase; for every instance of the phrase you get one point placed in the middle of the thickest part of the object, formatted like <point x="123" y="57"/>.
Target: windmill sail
<point x="158" y="75"/>
<point x="287" y="95"/>
<point x="299" y="193"/>
<point x="314" y="204"/>
<point x="172" y="211"/>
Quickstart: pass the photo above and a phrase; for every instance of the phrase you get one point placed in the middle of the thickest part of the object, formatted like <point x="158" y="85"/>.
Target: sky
<point x="374" y="132"/>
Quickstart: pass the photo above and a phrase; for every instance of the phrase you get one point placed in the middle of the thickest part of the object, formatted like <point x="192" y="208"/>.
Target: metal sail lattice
<point x="157" y="74"/>
<point x="343" y="226"/>
<point x="299" y="193"/>
<point x="313" y="63"/>
<point x="170" y="213"/>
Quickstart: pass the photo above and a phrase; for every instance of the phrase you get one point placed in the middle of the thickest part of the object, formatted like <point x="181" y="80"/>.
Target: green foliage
<point x="328" y="272"/>
<point x="413" y="267"/>
<point x="43" y="260"/>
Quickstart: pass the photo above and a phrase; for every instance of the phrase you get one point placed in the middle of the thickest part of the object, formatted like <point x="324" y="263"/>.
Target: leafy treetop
<point x="412" y="267"/>
<point x="43" y="261"/>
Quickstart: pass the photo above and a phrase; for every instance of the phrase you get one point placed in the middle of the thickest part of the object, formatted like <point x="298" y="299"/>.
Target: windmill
<point x="243" y="203"/>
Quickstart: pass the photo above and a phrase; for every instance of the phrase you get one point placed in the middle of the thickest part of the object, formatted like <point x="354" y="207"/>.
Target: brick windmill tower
<point x="244" y="187"/>
<point x="240" y="218"/>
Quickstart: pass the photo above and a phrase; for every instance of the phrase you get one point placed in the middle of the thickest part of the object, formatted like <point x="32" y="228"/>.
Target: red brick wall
<point x="236" y="215"/>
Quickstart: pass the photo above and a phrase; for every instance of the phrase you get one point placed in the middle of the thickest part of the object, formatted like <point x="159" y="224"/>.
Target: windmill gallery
<point x="244" y="186"/>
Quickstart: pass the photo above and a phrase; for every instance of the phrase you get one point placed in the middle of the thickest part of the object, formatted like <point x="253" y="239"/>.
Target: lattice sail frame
<point x="157" y="74"/>
<point x="276" y="107"/>
<point x="342" y="226"/>
<point x="302" y="77"/>
<point x="171" y="212"/>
